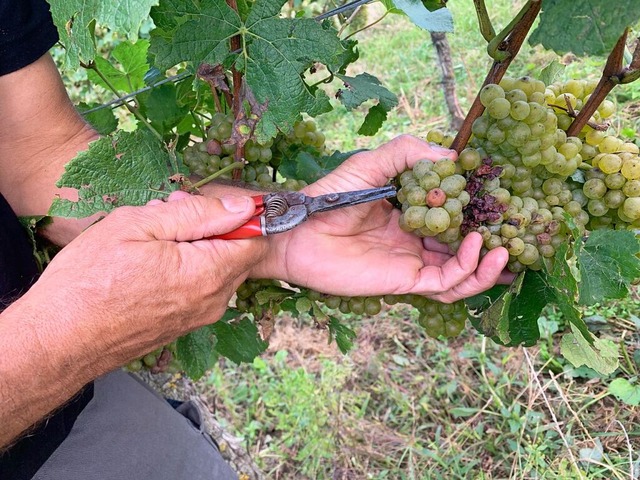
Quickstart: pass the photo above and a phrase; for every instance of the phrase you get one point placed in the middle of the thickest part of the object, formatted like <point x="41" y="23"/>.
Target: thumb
<point x="186" y="219"/>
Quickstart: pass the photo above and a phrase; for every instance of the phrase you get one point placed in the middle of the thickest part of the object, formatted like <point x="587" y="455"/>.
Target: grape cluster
<point x="161" y="360"/>
<point x="521" y="175"/>
<point x="520" y="170"/>
<point x="260" y="159"/>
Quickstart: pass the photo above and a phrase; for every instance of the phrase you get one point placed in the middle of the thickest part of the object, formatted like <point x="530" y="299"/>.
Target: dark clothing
<point x="26" y="33"/>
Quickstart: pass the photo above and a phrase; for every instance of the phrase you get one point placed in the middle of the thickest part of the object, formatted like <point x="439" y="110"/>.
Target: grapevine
<point x="540" y="172"/>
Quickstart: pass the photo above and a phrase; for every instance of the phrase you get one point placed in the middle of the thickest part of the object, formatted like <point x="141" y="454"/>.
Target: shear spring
<point x="276" y="207"/>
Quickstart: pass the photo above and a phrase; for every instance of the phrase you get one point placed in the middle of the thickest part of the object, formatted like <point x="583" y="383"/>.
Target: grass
<point x="405" y="406"/>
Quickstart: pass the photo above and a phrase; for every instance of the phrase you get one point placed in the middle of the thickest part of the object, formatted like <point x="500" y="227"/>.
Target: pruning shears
<point x="281" y="211"/>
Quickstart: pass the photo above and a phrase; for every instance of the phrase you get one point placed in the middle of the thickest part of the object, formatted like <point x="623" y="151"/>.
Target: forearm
<point x="44" y="360"/>
<point x="40" y="132"/>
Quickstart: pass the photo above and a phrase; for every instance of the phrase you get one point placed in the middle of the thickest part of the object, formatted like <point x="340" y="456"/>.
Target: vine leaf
<point x="361" y="88"/>
<point x="238" y="341"/>
<point x="275" y="53"/>
<point x="420" y="13"/>
<point x="76" y="19"/>
<point x="343" y="335"/>
<point x="303" y="165"/>
<point x="601" y="355"/>
<point x="103" y="121"/>
<point x="161" y="106"/>
<point x="132" y="67"/>
<point x="512" y="317"/>
<point x="608" y="263"/>
<point x="625" y="391"/>
<point x="196" y="351"/>
<point x="552" y="72"/>
<point x="587" y="27"/>
<point x="123" y="169"/>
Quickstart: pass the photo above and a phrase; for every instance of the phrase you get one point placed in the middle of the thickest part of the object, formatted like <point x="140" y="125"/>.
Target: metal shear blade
<point x="331" y="201"/>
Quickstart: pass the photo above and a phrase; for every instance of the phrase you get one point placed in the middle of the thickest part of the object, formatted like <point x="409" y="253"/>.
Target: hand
<point x="361" y="250"/>
<point x="146" y="275"/>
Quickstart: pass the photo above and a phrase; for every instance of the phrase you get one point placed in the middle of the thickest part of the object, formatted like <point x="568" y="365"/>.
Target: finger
<point x="155" y="201"/>
<point x="184" y="219"/>
<point x="178" y="195"/>
<point x="433" y="245"/>
<point x="374" y="168"/>
<point x="435" y="280"/>
<point x="487" y="274"/>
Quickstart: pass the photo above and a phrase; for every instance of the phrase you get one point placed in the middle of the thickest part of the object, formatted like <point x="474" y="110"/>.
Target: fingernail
<point x="234" y="204"/>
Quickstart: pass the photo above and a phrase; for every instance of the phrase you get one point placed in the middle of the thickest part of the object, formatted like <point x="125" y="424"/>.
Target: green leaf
<point x="625" y="391"/>
<point x="308" y="167"/>
<point x="273" y="294"/>
<point x="238" y="341"/>
<point x="160" y="106"/>
<point x="342" y="334"/>
<point x="552" y="72"/>
<point x="361" y="88"/>
<point x="123" y="169"/>
<point x="129" y="75"/>
<point x="608" y="264"/>
<point x="584" y="27"/>
<point x="602" y="356"/>
<point x="103" y="120"/>
<point x="195" y="351"/>
<point x="276" y="51"/>
<point x="433" y="5"/>
<point x="434" y="21"/>
<point x="512" y="318"/>
<point x="561" y="278"/>
<point x="75" y="21"/>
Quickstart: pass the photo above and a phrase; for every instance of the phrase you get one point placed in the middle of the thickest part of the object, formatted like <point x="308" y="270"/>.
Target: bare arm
<point x="40" y="132"/>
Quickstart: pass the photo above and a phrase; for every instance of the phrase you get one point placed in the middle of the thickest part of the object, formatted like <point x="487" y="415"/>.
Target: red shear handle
<point x="253" y="228"/>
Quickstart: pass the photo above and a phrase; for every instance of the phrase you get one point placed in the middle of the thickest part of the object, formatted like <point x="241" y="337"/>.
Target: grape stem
<point x="510" y="45"/>
<point x="92" y="66"/>
<point x="613" y="74"/>
<point x="484" y="22"/>
<point x="236" y="44"/>
<point x="234" y="166"/>
<point x="572" y="113"/>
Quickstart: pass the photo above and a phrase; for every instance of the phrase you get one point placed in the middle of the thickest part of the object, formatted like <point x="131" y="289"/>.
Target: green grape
<point x="631" y="208"/>
<point x="515" y="246"/>
<point x="499" y="108"/>
<point x="529" y="256"/>
<point x="520" y="110"/>
<point x="495" y="135"/>
<point x="430" y="181"/>
<point x="421" y="168"/>
<point x="372" y="306"/>
<point x="490" y="92"/>
<point x="594" y="188"/>
<point x="416" y="196"/>
<point x="437" y="219"/>
<point x="631" y="188"/>
<point x="630" y="169"/>
<point x="614" y="198"/>
<point x="610" y="144"/>
<point x="453" y="185"/>
<point x="444" y="167"/>
<point x="414" y="217"/>
<point x="469" y="159"/>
